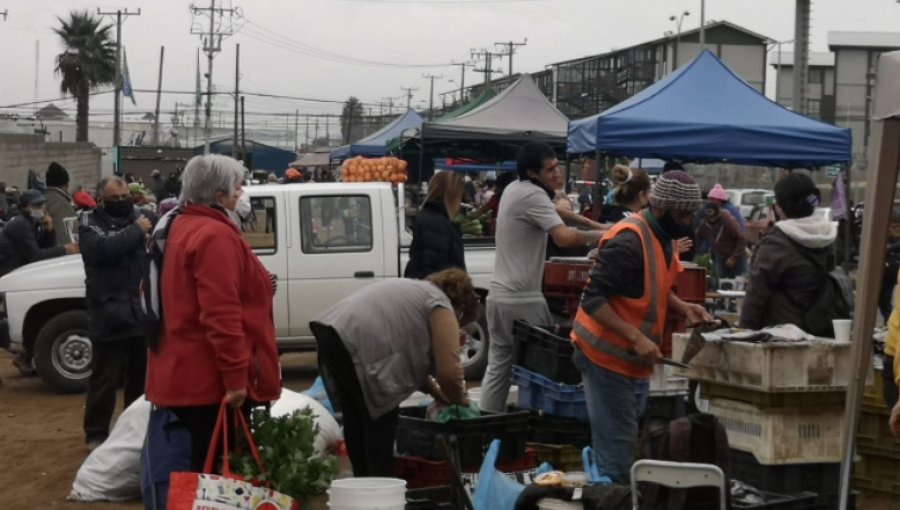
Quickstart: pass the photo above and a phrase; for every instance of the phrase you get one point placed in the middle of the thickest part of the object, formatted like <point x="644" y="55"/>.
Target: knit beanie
<point x="56" y="176"/>
<point x="676" y="191"/>
<point x="797" y="196"/>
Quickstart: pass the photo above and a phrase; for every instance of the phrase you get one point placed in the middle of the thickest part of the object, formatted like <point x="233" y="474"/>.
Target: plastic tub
<point x="380" y="493"/>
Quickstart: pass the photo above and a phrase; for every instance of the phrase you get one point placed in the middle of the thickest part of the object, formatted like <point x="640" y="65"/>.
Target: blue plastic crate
<point x="539" y="393"/>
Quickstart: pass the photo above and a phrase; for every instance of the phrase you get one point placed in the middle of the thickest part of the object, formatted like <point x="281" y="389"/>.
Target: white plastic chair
<point x="677" y="475"/>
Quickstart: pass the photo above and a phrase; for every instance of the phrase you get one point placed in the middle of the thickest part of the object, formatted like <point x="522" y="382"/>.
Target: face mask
<point x="235" y="219"/>
<point x="36" y="214"/>
<point x="673" y="228"/>
<point x="243" y="208"/>
<point x="120" y="208"/>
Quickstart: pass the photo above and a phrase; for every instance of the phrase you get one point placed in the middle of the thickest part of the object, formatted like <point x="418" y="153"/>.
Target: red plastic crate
<point x="691" y="285"/>
<point x="420" y="473"/>
<point x="565" y="279"/>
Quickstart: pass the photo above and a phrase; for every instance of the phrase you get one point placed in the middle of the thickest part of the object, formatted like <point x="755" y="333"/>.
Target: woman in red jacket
<point x="218" y="336"/>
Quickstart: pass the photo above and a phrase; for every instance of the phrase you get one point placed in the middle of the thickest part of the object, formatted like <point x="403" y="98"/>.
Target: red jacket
<point x="218" y="330"/>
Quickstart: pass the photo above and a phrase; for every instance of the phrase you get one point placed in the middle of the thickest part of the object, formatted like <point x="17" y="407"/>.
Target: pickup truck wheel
<point x="474" y="341"/>
<point x="62" y="352"/>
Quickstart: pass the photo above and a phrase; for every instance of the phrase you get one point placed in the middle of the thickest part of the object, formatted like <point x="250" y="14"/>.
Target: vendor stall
<point x="375" y="144"/>
<point x="704" y="113"/>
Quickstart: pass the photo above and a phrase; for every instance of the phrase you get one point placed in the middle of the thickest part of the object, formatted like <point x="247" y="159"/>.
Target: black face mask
<point x="673" y="228"/>
<point x="539" y="184"/>
<point x="119" y="208"/>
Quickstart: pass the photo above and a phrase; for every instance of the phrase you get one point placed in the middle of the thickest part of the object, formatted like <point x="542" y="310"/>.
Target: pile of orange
<point x="361" y="169"/>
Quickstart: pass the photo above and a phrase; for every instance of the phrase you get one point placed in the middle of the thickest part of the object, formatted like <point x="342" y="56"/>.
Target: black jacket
<point x="785" y="279"/>
<point x="24" y="241"/>
<point x="437" y="243"/>
<point x="115" y="257"/>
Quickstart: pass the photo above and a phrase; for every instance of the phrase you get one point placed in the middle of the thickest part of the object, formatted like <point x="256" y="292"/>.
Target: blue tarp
<point x="376" y="144"/>
<point x="456" y="166"/>
<point x="705" y="113"/>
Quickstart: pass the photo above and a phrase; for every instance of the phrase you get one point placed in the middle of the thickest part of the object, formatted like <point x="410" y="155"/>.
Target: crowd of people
<point x="208" y="336"/>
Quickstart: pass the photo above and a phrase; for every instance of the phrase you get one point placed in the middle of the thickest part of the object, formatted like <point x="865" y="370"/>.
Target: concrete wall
<point x="19" y="153"/>
<point x="747" y="61"/>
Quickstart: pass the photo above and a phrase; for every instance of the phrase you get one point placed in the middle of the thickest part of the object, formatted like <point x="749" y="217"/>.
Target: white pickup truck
<point x="322" y="241"/>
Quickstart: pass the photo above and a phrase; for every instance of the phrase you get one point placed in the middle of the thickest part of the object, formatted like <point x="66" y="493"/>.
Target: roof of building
<point x="816" y="59"/>
<point x="837" y="39"/>
<point x="709" y="25"/>
<point x="51" y="112"/>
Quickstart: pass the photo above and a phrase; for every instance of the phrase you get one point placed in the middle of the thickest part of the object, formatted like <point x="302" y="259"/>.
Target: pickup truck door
<point x="265" y="232"/>
<point x="338" y="247"/>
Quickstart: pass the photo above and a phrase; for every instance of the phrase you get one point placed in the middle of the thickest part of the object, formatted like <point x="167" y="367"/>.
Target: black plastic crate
<point x="801" y="501"/>
<point x="547" y="429"/>
<point x="417" y="436"/>
<point x="668" y="406"/>
<point x="547" y="353"/>
<point x="821" y="478"/>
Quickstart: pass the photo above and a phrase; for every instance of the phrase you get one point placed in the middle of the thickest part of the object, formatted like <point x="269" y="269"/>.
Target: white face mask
<point x="243" y="208"/>
<point x="36" y="214"/>
<point x="233" y="216"/>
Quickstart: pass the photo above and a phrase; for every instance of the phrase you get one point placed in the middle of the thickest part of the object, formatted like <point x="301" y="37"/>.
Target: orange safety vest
<point x="648" y="312"/>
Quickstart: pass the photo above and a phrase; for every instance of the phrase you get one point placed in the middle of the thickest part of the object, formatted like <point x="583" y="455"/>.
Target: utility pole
<point x="488" y="68"/>
<point x="37" y="62"/>
<point x="243" y="132"/>
<point x="4" y="13"/>
<point x="801" y="54"/>
<point x="462" y="81"/>
<point x="296" y="130"/>
<point x="237" y="93"/>
<point x="510" y="51"/>
<point x="307" y="133"/>
<point x="162" y="55"/>
<point x="409" y="95"/>
<point x="117" y="121"/>
<point x="328" y="128"/>
<point x="431" y="77"/>
<point x="316" y="138"/>
<point x="702" y="25"/>
<point x="212" y="44"/>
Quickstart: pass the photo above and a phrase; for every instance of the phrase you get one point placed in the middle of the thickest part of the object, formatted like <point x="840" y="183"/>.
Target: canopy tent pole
<point x="881" y="182"/>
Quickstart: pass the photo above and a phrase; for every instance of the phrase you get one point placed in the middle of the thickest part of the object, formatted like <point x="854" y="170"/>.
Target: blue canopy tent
<point x="704" y="113"/>
<point x="376" y="144"/>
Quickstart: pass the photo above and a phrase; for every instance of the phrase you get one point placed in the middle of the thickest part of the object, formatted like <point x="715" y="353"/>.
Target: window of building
<point x="813" y="107"/>
<point x="816" y="75"/>
<point x="259" y="228"/>
<point x="331" y="224"/>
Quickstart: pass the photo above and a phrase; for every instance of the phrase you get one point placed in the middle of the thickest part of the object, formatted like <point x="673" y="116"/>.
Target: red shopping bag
<point x="205" y="491"/>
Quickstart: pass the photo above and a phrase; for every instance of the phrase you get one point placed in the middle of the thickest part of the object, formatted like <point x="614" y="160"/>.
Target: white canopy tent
<point x="880" y="186"/>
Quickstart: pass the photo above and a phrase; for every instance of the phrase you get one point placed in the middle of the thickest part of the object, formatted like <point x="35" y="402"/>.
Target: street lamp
<point x="678" y="20"/>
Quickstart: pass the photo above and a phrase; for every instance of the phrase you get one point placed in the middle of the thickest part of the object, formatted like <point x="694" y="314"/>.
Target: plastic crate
<point x="821" y="478"/>
<point x="669" y="406"/>
<point x="562" y="457"/>
<point x="874" y="433"/>
<point x="555" y="430"/>
<point x="565" y="277"/>
<point x="763" y="400"/>
<point x="782" y="435"/>
<point x="546" y="353"/>
<point x="819" y="365"/>
<point x="875" y="472"/>
<point x="781" y="502"/>
<point x="664" y="382"/>
<point x="416" y="435"/>
<point x="422" y="473"/>
<point x="690" y="285"/>
<point x="539" y="393"/>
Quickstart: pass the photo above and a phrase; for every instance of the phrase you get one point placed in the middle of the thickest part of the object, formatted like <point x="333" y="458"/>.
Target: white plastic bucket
<point x="371" y="493"/>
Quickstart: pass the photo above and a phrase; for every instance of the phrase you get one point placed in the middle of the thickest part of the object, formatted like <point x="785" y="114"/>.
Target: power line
<point x="212" y="44"/>
<point x="510" y="51"/>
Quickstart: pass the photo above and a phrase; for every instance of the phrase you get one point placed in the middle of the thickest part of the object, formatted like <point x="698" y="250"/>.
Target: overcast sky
<point x="278" y="37"/>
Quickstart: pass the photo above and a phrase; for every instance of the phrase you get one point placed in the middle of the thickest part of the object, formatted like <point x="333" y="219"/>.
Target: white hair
<point x="204" y="177"/>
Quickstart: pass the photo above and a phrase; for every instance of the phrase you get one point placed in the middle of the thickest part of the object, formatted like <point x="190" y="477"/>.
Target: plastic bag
<point x="495" y="491"/>
<point x="318" y="393"/>
<point x="590" y="467"/>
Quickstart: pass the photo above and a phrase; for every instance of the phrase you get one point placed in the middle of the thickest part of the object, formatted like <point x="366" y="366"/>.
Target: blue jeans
<point x="614" y="405"/>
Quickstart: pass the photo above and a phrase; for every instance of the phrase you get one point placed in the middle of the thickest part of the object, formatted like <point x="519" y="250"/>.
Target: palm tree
<point x="88" y="61"/>
<point x="351" y="119"/>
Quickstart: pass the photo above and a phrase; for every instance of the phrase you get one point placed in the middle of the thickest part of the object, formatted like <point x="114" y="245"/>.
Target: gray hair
<point x="104" y="182"/>
<point x="206" y="176"/>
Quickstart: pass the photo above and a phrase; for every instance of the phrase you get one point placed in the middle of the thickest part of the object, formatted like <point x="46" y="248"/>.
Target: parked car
<point x="321" y="241"/>
<point x="747" y="199"/>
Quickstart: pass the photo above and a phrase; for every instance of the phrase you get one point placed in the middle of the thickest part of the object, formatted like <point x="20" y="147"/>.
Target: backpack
<point x="151" y="305"/>
<point x="697" y="438"/>
<point x="833" y="301"/>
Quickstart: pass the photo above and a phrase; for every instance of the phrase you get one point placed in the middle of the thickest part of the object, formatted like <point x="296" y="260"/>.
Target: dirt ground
<point x="42" y="442"/>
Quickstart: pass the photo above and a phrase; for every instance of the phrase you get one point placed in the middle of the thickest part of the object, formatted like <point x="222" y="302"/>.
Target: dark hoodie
<point x="787" y="272"/>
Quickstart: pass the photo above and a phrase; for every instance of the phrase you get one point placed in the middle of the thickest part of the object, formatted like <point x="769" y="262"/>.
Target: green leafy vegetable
<point x="286" y="448"/>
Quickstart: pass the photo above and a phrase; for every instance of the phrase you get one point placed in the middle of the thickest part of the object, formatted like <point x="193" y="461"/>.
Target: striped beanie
<point x="676" y="191"/>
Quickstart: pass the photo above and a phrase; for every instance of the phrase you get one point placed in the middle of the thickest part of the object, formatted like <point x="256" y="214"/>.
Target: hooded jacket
<point x="24" y="241"/>
<point x="788" y="270"/>
<point x="437" y="243"/>
<point x="59" y="206"/>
